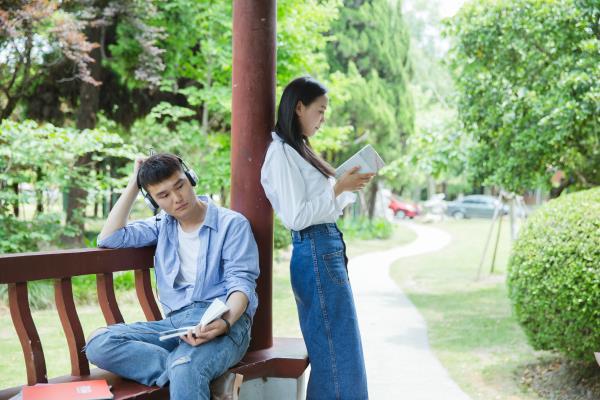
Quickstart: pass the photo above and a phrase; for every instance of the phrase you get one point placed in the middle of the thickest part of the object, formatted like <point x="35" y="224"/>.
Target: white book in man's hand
<point x="216" y="309"/>
<point x="366" y="158"/>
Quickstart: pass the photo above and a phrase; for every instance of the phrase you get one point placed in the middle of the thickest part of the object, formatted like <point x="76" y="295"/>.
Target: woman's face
<point x="312" y="116"/>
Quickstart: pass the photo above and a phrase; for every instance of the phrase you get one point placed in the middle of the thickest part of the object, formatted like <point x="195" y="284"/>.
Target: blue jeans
<point x="327" y="314"/>
<point x="133" y="351"/>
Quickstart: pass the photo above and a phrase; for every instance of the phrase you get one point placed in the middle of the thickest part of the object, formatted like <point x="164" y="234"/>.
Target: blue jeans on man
<point x="134" y="351"/>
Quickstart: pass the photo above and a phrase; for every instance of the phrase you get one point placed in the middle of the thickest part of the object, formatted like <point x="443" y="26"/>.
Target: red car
<point x="402" y="209"/>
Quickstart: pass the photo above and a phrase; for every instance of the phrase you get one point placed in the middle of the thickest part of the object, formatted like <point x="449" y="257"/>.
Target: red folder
<point x="82" y="390"/>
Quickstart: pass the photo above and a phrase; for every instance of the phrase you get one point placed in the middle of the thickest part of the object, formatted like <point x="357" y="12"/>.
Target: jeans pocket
<point x="239" y="331"/>
<point x="335" y="264"/>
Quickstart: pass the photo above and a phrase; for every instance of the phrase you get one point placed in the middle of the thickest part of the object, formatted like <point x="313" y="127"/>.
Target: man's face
<point x="175" y="194"/>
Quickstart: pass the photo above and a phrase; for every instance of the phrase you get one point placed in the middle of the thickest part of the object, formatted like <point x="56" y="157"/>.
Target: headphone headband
<point x="150" y="202"/>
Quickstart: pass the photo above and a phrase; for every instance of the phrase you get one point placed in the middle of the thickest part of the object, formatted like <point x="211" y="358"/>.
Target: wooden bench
<point x="285" y="359"/>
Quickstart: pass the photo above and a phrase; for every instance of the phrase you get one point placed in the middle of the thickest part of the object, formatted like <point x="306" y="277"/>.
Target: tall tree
<point x="34" y="36"/>
<point x="96" y="18"/>
<point x="528" y="75"/>
<point x="371" y="45"/>
<point x="437" y="150"/>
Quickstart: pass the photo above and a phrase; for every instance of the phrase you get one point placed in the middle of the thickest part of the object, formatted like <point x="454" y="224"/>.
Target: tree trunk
<point x="372" y="197"/>
<point x="15" y="187"/>
<point x="39" y="194"/>
<point x="223" y="196"/>
<point x="564" y="183"/>
<point x="430" y="187"/>
<point x="89" y="96"/>
<point x="205" y="105"/>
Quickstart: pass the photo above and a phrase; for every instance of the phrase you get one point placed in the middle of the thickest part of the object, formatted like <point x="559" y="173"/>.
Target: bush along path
<point x="400" y="364"/>
<point x="554" y="276"/>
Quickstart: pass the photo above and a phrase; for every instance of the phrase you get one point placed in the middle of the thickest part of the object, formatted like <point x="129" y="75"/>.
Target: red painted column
<point x="253" y="116"/>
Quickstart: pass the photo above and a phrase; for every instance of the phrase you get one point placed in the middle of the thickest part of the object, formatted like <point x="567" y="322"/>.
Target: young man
<point x="203" y="252"/>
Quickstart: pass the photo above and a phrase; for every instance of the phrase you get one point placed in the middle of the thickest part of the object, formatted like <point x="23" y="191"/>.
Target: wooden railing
<point x="285" y="359"/>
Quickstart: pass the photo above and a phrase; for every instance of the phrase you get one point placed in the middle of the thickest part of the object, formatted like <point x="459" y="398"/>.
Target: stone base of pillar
<point x="275" y="388"/>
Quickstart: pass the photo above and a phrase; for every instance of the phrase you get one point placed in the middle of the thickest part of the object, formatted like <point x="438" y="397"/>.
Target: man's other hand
<point x="202" y="334"/>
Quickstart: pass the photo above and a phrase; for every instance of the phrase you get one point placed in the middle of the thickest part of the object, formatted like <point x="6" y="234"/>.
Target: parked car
<point x="402" y="209"/>
<point x="475" y="206"/>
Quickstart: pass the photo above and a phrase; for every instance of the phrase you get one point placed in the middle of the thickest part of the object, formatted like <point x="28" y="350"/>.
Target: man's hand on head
<point x="137" y="164"/>
<point x="202" y="334"/>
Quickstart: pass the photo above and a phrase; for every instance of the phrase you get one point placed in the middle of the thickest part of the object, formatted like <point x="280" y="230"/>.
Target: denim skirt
<point x="328" y="320"/>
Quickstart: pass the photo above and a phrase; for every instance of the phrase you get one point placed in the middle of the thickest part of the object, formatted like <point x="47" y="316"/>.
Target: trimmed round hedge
<point x="554" y="276"/>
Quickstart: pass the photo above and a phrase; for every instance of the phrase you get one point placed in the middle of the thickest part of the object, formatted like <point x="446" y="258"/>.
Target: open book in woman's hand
<point x="366" y="158"/>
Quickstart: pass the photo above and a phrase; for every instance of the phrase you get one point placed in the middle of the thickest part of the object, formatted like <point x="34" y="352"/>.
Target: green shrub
<point x="281" y="235"/>
<point x="353" y="228"/>
<point x="554" y="276"/>
<point x="18" y="236"/>
<point x="41" y="293"/>
<point x="364" y="228"/>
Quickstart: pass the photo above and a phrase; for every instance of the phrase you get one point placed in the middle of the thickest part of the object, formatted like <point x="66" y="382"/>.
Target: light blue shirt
<point x="227" y="262"/>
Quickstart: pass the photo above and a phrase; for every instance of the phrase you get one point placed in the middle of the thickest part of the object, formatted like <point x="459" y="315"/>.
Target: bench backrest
<point x="18" y="269"/>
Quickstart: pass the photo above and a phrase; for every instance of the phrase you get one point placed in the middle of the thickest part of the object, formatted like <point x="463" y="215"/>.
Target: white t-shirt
<point x="300" y="195"/>
<point x="189" y="248"/>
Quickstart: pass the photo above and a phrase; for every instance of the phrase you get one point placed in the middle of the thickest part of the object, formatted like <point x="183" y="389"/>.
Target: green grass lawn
<point x="471" y="327"/>
<point x="285" y="317"/>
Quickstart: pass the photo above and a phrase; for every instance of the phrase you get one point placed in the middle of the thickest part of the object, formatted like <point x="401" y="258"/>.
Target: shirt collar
<point x="211" y="219"/>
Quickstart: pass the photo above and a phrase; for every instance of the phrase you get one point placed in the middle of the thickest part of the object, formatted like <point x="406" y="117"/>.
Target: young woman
<point x="308" y="200"/>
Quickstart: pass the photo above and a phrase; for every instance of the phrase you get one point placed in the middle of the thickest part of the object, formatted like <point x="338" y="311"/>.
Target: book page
<point x="367" y="159"/>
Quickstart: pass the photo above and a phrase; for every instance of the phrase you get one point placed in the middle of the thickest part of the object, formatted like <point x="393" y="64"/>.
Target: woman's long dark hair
<point x="305" y="89"/>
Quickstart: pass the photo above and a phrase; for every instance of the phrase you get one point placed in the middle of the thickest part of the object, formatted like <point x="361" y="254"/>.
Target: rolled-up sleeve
<point x="140" y="233"/>
<point x="240" y="261"/>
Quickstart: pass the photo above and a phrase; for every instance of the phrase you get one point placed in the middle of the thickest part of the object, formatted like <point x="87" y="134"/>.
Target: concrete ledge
<point x="274" y="389"/>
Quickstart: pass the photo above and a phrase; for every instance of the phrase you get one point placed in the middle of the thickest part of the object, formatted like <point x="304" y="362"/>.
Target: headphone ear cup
<point x="192" y="177"/>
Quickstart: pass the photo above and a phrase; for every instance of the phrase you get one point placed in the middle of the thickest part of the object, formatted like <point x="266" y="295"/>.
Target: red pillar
<point x="253" y="116"/>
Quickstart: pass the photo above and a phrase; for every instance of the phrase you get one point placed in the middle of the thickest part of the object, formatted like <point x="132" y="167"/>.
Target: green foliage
<point x="370" y="48"/>
<point x="281" y="235"/>
<point x="166" y="71"/>
<point x="302" y="38"/>
<point x="84" y="286"/>
<point x="437" y="149"/>
<point x="197" y="53"/>
<point x="40" y="175"/>
<point x="527" y="73"/>
<point x="168" y="129"/>
<point x="554" y="275"/>
<point x="17" y="236"/>
<point x="41" y="293"/>
<point x="364" y="228"/>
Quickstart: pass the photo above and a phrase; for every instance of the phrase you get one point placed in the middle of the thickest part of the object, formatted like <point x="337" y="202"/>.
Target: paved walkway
<point x="400" y="364"/>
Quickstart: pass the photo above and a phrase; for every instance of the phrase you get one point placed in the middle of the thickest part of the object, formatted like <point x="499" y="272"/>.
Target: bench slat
<point x="107" y="299"/>
<point x="143" y="289"/>
<point x="20" y="312"/>
<point x="63" y="294"/>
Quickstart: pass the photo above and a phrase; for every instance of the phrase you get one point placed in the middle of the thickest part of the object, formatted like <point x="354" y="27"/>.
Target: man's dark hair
<point x="158" y="168"/>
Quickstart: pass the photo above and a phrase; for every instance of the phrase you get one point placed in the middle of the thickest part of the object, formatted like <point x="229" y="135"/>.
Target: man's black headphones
<point x="189" y="173"/>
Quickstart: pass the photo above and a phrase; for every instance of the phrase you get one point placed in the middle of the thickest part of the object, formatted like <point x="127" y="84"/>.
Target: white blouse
<point x="300" y="195"/>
